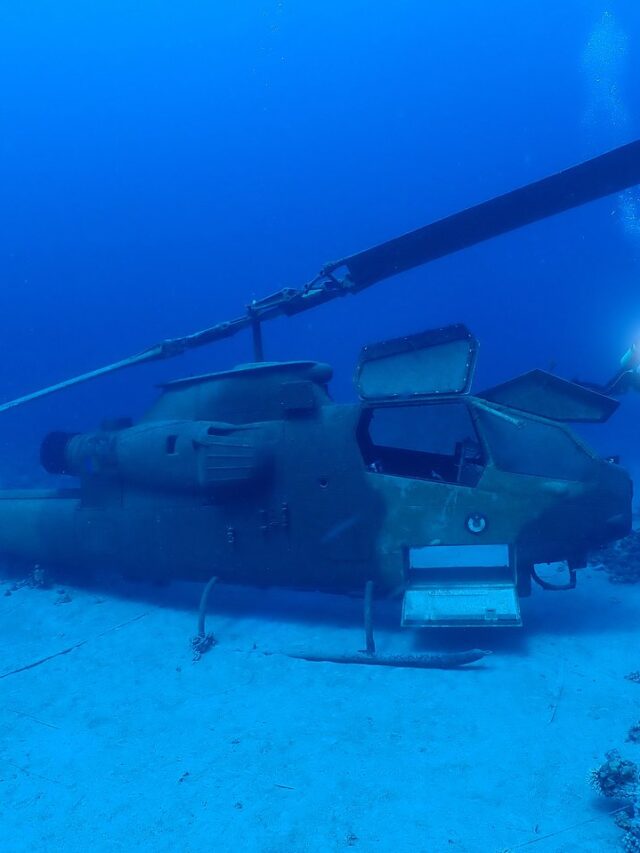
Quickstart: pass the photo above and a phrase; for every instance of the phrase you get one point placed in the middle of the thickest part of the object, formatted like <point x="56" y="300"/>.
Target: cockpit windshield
<point x="436" y="441"/>
<point x="445" y="442"/>
<point x="525" y="445"/>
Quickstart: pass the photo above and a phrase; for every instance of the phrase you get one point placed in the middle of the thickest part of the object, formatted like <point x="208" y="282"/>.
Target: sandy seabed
<point x="125" y="743"/>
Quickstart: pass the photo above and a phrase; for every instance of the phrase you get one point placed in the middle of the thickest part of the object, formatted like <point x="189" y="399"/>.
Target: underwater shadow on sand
<point x="584" y="611"/>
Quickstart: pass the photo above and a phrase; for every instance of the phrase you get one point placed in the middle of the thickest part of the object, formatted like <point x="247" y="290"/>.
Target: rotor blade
<point x="148" y="355"/>
<point x="165" y="349"/>
<point x="602" y="176"/>
<point x="609" y="173"/>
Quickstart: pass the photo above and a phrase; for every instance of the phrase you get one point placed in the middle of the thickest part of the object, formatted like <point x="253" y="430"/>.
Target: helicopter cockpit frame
<point x="420" y="423"/>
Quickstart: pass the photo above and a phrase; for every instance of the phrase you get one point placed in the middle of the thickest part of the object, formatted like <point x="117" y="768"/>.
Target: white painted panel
<point x="459" y="556"/>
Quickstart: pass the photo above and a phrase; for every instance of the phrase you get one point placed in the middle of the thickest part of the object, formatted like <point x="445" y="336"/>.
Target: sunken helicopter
<point x="421" y="489"/>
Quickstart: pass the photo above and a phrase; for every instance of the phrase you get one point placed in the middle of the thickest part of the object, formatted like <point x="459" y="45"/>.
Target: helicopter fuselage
<point x="256" y="476"/>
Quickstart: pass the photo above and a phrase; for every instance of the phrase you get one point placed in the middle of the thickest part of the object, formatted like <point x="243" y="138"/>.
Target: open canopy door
<point x="542" y="393"/>
<point x="417" y="367"/>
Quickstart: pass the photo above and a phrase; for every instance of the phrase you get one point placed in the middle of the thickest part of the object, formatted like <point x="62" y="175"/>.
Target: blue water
<point x="162" y="165"/>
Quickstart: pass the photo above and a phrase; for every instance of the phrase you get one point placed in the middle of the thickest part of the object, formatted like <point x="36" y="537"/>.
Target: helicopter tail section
<point x="39" y="525"/>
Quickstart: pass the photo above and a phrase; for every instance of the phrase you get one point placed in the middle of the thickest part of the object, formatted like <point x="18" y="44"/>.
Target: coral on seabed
<point x="37" y="578"/>
<point x="620" y="778"/>
<point x="616" y="777"/>
<point x="620" y="560"/>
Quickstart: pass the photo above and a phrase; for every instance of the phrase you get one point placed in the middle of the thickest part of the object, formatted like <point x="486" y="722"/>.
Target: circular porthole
<point x="476" y="523"/>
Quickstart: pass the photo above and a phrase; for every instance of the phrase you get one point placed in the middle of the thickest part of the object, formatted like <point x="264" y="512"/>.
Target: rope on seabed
<point x="564" y="829"/>
<point x="75" y="646"/>
<point x="202" y="642"/>
<point x="204" y="601"/>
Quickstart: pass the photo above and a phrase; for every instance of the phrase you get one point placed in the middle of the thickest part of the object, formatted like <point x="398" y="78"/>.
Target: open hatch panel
<point x="461" y="586"/>
<point x="417" y="367"/>
<point x="541" y="393"/>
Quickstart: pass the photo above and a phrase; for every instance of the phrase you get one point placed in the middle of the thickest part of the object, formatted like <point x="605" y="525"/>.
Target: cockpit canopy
<point x="417" y="367"/>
